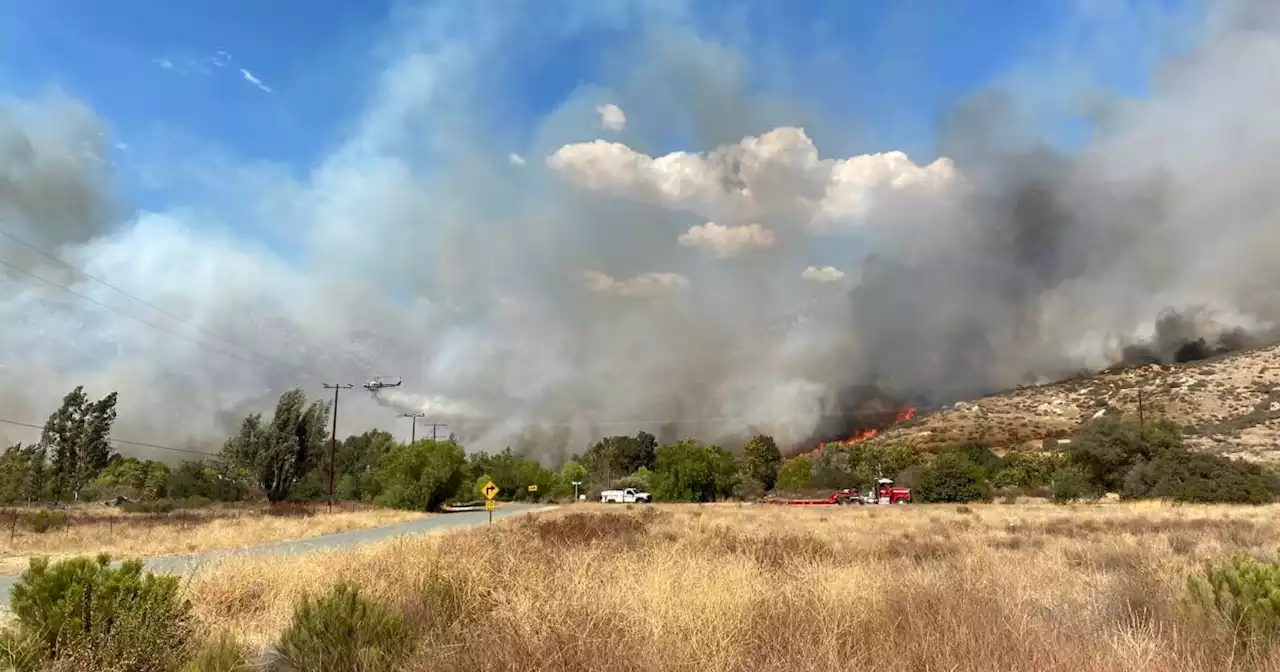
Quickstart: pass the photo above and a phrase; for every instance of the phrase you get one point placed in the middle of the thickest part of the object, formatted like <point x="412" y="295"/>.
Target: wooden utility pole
<point x="333" y="436"/>
<point x="413" y="431"/>
<point x="434" y="426"/>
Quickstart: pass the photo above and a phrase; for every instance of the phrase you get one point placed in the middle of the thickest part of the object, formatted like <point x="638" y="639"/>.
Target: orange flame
<point x="901" y="416"/>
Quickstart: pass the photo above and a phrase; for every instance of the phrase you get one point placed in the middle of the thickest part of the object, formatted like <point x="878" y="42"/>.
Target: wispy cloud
<point x="612" y="118"/>
<point x="249" y="77"/>
<point x="516" y="159"/>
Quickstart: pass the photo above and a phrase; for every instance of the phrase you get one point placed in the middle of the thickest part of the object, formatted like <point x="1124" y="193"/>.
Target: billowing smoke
<point x="592" y="280"/>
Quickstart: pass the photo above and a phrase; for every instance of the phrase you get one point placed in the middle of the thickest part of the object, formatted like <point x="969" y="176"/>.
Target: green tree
<point x="141" y="479"/>
<point x="355" y="459"/>
<point x="984" y="457"/>
<point x="573" y="471"/>
<point x="1071" y="483"/>
<point x="210" y="481"/>
<point x="690" y="471"/>
<point x="76" y="438"/>
<point x="19" y="466"/>
<point x="953" y="477"/>
<point x="420" y="476"/>
<point x="613" y="457"/>
<point x="760" y="461"/>
<point x="279" y="454"/>
<point x="834" y="468"/>
<point x="795" y="474"/>
<point x="1109" y="447"/>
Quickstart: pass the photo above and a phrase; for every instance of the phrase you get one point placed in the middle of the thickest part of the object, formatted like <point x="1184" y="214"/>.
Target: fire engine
<point x="884" y="492"/>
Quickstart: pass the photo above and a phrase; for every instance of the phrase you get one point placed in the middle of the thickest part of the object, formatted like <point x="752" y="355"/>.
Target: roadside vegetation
<point x="284" y="458"/>
<point x="1121" y="586"/>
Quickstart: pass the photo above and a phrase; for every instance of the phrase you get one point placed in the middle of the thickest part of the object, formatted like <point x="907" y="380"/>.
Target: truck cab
<point x="625" y="496"/>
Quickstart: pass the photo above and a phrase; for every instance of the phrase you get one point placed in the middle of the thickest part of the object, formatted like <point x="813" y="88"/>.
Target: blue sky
<point x="175" y="70"/>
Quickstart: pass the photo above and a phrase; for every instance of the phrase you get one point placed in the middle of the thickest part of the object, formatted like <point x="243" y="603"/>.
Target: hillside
<point x="1230" y="405"/>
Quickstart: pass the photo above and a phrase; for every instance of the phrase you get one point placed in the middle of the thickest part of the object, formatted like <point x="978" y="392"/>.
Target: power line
<point x="119" y="441"/>
<point x="179" y="318"/>
<point x="139" y="319"/>
<point x="684" y="421"/>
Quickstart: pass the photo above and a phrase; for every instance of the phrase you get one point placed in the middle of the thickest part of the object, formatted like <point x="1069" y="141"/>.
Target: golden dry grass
<point x="728" y="587"/>
<point x="96" y="529"/>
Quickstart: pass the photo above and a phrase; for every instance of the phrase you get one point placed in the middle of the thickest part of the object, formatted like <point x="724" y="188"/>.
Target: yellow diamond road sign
<point x="490" y="505"/>
<point x="490" y="490"/>
<point x="533" y="488"/>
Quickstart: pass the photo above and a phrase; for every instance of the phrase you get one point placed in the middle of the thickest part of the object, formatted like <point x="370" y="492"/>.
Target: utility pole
<point x="413" y="432"/>
<point x="333" y="436"/>
<point x="434" y="425"/>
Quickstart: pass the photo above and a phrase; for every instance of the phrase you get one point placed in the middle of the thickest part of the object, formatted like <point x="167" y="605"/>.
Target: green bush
<point x="691" y="471"/>
<point x="1240" y="596"/>
<point x="795" y="474"/>
<point x="44" y="520"/>
<point x="344" y="632"/>
<point x="420" y="476"/>
<point x="84" y="611"/>
<point x="1071" y="483"/>
<point x="953" y="478"/>
<point x="1184" y="476"/>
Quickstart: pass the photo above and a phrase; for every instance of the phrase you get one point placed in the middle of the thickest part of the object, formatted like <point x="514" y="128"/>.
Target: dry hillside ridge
<point x="1229" y="404"/>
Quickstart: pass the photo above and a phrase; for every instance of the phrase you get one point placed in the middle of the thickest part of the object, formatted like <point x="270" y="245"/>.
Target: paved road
<point x="182" y="564"/>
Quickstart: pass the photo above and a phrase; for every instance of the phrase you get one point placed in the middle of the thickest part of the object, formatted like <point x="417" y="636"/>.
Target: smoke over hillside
<point x="594" y="281"/>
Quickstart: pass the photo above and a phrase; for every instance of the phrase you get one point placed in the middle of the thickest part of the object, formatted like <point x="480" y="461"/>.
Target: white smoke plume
<point x="603" y="287"/>
<point x="824" y="274"/>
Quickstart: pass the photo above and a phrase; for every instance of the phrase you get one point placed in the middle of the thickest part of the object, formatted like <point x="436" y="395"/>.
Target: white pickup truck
<point x="627" y="496"/>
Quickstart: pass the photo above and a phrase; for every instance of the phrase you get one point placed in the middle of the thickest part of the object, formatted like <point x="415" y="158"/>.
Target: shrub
<point x="344" y="631"/>
<point x="748" y="489"/>
<point x="690" y="471"/>
<point x="44" y="520"/>
<point x="1184" y="476"/>
<point x="223" y="654"/>
<point x="20" y="651"/>
<point x="1070" y="483"/>
<point x="760" y="461"/>
<point x="1241" y="596"/>
<point x="953" y="478"/>
<point x="83" y="610"/>
<point x="794" y="474"/>
<point x="153" y="506"/>
<point x="420" y="476"/>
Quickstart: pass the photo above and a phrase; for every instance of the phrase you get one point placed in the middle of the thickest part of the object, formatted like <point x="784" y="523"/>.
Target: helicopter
<point x="380" y="382"/>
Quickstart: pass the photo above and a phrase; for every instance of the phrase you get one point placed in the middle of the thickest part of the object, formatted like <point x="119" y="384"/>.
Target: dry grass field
<point x="728" y="587"/>
<point x="93" y="529"/>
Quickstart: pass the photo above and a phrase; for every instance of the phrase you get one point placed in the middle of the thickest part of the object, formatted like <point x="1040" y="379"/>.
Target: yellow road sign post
<point x="490" y="491"/>
<point x="533" y="488"/>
